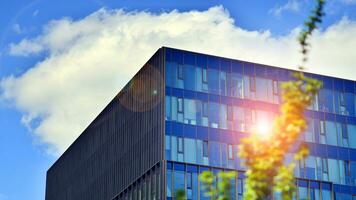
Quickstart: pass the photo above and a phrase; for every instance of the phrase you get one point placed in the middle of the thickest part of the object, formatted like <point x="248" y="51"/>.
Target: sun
<point x="263" y="129"/>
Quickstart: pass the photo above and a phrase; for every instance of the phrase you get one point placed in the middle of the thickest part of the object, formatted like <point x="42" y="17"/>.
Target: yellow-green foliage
<point x="265" y="158"/>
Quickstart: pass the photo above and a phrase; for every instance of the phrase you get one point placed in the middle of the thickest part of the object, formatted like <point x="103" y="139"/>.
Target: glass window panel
<point x="214" y="154"/>
<point x="168" y="108"/>
<point x="240" y="188"/>
<point x="353" y="173"/>
<point x="314" y="194"/>
<point x="189" y="77"/>
<point x="248" y="93"/>
<point x="199" y="79"/>
<point x="351" y="129"/>
<point x="239" y="119"/>
<point x="342" y="168"/>
<point x="169" y="74"/>
<point x="180" y="149"/>
<point x="176" y="82"/>
<point x="342" y="196"/>
<point x="224" y="155"/>
<point x="223" y="116"/>
<point x="350" y="104"/>
<point x="309" y="133"/>
<point x="189" y="146"/>
<point x="331" y="135"/>
<point x="174" y="148"/>
<point x="190" y="112"/>
<point x="333" y="171"/>
<point x="222" y="78"/>
<point x="310" y="163"/>
<point x="236" y="88"/>
<point x="205" y="114"/>
<point x="213" y="81"/>
<point x="326" y="194"/>
<point x="168" y="147"/>
<point x="303" y="193"/>
<point x="178" y="181"/>
<point x="326" y="100"/>
<point x="213" y="114"/>
<point x="230" y="152"/>
<point x="200" y="152"/>
<point x="174" y="106"/>
<point x="261" y="89"/>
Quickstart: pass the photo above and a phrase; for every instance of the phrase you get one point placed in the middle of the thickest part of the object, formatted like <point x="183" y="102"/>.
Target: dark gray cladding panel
<point x="121" y="144"/>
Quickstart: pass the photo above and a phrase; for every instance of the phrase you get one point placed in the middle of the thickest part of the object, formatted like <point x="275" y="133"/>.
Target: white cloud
<point x="291" y="5"/>
<point x="26" y="47"/>
<point x="89" y="60"/>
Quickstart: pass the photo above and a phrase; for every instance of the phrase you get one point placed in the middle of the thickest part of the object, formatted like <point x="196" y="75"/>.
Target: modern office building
<point x="184" y="113"/>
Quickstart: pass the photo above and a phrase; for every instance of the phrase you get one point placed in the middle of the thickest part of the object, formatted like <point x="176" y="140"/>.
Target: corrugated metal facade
<point x="119" y="146"/>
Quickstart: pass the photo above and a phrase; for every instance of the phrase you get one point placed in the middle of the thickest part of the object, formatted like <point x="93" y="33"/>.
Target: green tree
<point x="265" y="157"/>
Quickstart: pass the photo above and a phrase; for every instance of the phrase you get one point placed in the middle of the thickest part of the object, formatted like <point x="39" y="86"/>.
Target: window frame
<point x="230" y="152"/>
<point x="205" y="148"/>
<point x="180" y="105"/>
<point x="180" y="145"/>
<point x="275" y="87"/>
<point x="204" y="75"/>
<point x="252" y="83"/>
<point x="322" y="127"/>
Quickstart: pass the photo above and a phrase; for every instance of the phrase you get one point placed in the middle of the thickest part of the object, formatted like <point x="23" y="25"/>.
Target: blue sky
<point x="34" y="109"/>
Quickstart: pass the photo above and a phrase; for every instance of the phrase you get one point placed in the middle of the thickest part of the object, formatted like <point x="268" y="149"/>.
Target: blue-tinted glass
<point x="223" y="85"/>
<point x="214" y="154"/>
<point x="169" y="183"/>
<point x="353" y="173"/>
<point x="213" y="62"/>
<point x="195" y="186"/>
<point x="326" y="102"/>
<point x="177" y="56"/>
<point x="190" y="111"/>
<point x="189" y="77"/>
<point x="342" y="196"/>
<point x="326" y="194"/>
<point x="310" y="165"/>
<point x="168" y="147"/>
<point x="190" y="149"/>
<point x="331" y="134"/>
<point x="249" y="69"/>
<point x="178" y="181"/>
<point x="350" y="104"/>
<point x="235" y="87"/>
<point x="261" y="89"/>
<point x="223" y="155"/>
<point x="213" y="81"/>
<point x="333" y="171"/>
<point x="302" y="193"/>
<point x="223" y="116"/>
<point x="176" y="80"/>
<point x="200" y="152"/>
<point x="351" y="130"/>
<point x="168" y="108"/>
<point x="214" y="114"/>
<point x="189" y="58"/>
<point x="169" y="74"/>
<point x="174" y="148"/>
<point x="237" y="67"/>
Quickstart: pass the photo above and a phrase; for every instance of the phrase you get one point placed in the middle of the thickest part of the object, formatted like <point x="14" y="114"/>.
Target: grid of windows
<point x="223" y="99"/>
<point x="226" y="82"/>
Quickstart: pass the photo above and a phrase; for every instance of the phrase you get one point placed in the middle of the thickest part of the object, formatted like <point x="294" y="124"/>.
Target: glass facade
<point x="212" y="102"/>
